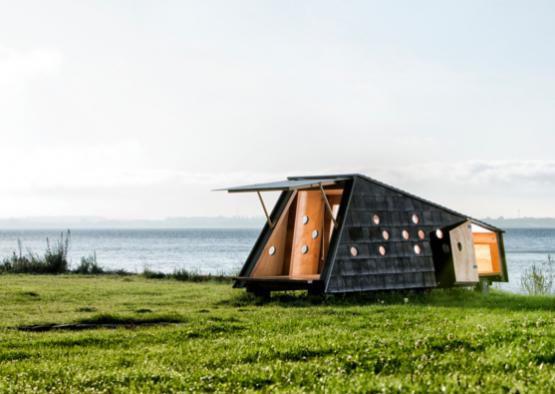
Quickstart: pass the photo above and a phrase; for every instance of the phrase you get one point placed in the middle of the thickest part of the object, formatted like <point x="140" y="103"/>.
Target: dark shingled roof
<point x="338" y="177"/>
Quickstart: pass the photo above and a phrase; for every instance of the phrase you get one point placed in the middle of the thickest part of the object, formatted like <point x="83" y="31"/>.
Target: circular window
<point x="459" y="246"/>
<point x="354" y="251"/>
<point x="381" y="250"/>
<point x="415" y="219"/>
<point x="405" y="234"/>
<point x="385" y="234"/>
<point x="417" y="249"/>
<point x="439" y="234"/>
<point x="375" y="219"/>
<point x="305" y="219"/>
<point x="315" y="234"/>
<point x="272" y="250"/>
<point x="421" y="234"/>
<point x="304" y="249"/>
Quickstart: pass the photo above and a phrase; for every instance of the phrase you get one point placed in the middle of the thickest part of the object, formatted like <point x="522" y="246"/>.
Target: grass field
<point x="214" y="338"/>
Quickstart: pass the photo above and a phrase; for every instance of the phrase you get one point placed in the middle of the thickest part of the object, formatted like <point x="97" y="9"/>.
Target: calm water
<point x="222" y="250"/>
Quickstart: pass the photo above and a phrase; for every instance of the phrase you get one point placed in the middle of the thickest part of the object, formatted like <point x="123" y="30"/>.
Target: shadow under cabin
<point x="351" y="233"/>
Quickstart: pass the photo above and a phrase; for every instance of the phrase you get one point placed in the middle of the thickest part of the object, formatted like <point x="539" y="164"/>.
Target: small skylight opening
<point x="415" y="219"/>
<point x="439" y="234"/>
<point x="417" y="249"/>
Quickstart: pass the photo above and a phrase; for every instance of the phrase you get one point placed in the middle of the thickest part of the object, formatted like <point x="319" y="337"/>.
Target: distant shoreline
<point x="220" y="222"/>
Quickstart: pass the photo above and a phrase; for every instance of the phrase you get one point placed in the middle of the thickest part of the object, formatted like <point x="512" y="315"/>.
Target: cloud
<point x="476" y="173"/>
<point x="21" y="66"/>
<point x="104" y="167"/>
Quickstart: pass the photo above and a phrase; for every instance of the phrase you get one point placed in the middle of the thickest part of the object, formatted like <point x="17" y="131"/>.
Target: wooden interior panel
<point x="277" y="264"/>
<point x="487" y="253"/>
<point x="290" y="234"/>
<point x="464" y="257"/>
<point x="311" y="204"/>
<point x="334" y="200"/>
<point x="483" y="258"/>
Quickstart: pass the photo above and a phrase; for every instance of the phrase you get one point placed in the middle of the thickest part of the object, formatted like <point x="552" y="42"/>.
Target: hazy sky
<point x="136" y="109"/>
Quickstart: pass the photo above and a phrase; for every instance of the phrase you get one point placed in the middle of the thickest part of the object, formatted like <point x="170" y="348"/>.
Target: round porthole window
<point x="417" y="249"/>
<point x="304" y="249"/>
<point x="415" y="219"/>
<point x="375" y="219"/>
<point x="315" y="234"/>
<point x="381" y="250"/>
<point x="354" y="251"/>
<point x="421" y="234"/>
<point x="385" y="235"/>
<point x="459" y="246"/>
<point x="439" y="234"/>
<point x="405" y="234"/>
<point x="272" y="250"/>
<point x="305" y="219"/>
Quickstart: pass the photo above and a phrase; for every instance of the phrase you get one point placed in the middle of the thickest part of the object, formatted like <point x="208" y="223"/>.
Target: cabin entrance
<point x="465" y="253"/>
<point x="454" y="255"/>
<point x="298" y="245"/>
<point x="487" y="249"/>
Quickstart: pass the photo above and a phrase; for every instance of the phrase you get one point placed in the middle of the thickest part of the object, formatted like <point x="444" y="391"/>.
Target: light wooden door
<point x="464" y="256"/>
<point x="307" y="235"/>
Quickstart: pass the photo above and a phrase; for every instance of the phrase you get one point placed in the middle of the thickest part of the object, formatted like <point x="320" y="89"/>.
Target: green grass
<point x="215" y="338"/>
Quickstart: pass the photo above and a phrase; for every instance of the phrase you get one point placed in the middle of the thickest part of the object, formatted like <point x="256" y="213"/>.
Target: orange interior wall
<point x="487" y="253"/>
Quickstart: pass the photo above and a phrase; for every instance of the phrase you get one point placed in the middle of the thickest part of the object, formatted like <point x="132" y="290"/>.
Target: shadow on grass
<point x="452" y="298"/>
<point x="106" y="321"/>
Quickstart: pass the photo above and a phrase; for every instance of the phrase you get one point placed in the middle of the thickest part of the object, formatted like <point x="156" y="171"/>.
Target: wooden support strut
<point x="328" y="206"/>
<point x="265" y="210"/>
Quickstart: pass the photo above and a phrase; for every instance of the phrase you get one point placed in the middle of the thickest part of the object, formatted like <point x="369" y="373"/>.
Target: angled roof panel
<point x="285" y="185"/>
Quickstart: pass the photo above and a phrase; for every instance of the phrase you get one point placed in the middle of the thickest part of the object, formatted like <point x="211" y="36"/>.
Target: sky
<point x="138" y="109"/>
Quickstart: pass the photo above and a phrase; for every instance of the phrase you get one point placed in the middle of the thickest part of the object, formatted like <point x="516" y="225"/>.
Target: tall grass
<point x="539" y="279"/>
<point x="54" y="260"/>
<point x="89" y="266"/>
<point x="187" y="276"/>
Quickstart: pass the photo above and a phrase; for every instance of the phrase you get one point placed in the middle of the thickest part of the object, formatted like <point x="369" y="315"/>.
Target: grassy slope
<point x="454" y="341"/>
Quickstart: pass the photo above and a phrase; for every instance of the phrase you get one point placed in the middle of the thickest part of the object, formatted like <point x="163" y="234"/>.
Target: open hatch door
<point x="464" y="257"/>
<point x="298" y="237"/>
<point x="454" y="255"/>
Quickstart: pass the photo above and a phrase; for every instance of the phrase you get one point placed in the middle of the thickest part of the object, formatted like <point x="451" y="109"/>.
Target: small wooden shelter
<point x="351" y="233"/>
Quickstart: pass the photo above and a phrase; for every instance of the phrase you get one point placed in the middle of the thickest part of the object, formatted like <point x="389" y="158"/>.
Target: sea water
<point x="220" y="250"/>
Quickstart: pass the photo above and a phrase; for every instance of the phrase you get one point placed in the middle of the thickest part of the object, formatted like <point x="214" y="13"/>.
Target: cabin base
<point x="264" y="286"/>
